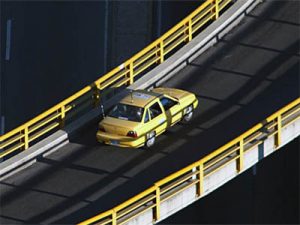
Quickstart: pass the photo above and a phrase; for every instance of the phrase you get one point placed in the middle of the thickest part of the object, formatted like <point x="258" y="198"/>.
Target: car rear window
<point x="167" y="103"/>
<point x="155" y="110"/>
<point x="127" y="112"/>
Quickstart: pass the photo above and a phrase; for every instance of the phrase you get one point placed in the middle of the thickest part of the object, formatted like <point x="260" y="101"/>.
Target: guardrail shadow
<point x="86" y="134"/>
<point x="274" y="20"/>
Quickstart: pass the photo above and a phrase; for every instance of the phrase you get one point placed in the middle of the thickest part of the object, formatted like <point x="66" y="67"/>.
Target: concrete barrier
<point x="156" y="77"/>
<point x="28" y="157"/>
<point x="226" y="173"/>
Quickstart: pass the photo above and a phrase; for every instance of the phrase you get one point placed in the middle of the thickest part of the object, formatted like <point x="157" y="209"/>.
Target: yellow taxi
<point x="143" y="115"/>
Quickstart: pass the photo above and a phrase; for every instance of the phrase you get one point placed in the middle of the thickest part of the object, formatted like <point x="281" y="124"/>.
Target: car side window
<point x="147" y="118"/>
<point x="167" y="103"/>
<point x="155" y="110"/>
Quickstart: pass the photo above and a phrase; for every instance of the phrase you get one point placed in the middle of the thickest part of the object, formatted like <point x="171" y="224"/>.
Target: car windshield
<point x="127" y="112"/>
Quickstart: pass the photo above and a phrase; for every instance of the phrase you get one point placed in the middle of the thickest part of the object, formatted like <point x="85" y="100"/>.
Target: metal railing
<point x="24" y="136"/>
<point x="194" y="174"/>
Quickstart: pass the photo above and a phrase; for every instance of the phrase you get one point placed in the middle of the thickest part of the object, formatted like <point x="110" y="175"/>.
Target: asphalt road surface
<point x="250" y="74"/>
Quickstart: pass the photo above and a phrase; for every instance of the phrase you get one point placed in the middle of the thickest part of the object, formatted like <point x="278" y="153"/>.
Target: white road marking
<point x="8" y="39"/>
<point x="2" y="125"/>
<point x="105" y="36"/>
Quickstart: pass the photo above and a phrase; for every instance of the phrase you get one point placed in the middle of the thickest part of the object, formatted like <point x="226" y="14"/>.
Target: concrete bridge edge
<point x="214" y="181"/>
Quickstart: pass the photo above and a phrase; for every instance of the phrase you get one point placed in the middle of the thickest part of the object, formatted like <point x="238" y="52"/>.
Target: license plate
<point x="113" y="142"/>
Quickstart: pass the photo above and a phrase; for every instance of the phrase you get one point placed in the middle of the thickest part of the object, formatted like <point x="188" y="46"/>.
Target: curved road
<point x="251" y="73"/>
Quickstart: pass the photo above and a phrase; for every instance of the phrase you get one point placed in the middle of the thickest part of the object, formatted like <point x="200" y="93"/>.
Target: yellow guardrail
<point x="194" y="174"/>
<point x="24" y="136"/>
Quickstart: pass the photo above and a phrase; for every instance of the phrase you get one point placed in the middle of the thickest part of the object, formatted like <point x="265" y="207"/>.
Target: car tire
<point x="188" y="117"/>
<point x="151" y="140"/>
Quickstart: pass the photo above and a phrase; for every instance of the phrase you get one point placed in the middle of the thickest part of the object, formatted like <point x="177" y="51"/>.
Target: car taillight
<point x="132" y="134"/>
<point x="101" y="128"/>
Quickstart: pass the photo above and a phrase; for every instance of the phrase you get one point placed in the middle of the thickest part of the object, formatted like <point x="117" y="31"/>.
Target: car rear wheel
<point x="150" y="139"/>
<point x="189" y="115"/>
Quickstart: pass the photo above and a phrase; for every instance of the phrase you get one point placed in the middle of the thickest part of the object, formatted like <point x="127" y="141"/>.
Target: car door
<point x="158" y="119"/>
<point x="172" y="109"/>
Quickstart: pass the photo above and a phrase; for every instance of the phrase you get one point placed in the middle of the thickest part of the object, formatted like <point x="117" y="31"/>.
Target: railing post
<point x="216" y="9"/>
<point x="240" y="162"/>
<point x="157" y="203"/>
<point x="190" y="33"/>
<point x="278" y="135"/>
<point x="199" y="186"/>
<point x="130" y="73"/>
<point x="62" y="116"/>
<point x="161" y="51"/>
<point x="114" y="218"/>
<point x="96" y="95"/>
<point x="26" y="138"/>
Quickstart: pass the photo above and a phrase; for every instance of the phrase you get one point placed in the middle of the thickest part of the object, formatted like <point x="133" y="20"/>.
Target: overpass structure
<point x="246" y="84"/>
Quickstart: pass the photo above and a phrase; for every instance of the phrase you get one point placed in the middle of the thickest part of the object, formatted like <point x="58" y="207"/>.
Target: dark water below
<point x="266" y="194"/>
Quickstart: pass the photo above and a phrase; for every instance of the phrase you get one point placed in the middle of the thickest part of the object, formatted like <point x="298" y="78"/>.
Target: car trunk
<point x="118" y="126"/>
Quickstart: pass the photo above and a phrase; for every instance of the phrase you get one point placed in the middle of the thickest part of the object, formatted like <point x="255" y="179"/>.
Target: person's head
<point x="139" y="113"/>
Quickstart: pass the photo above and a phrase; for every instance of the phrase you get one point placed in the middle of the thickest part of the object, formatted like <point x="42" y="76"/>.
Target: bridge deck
<point x="250" y="74"/>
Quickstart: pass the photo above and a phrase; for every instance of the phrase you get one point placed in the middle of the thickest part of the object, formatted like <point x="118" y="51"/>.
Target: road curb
<point x="30" y="156"/>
